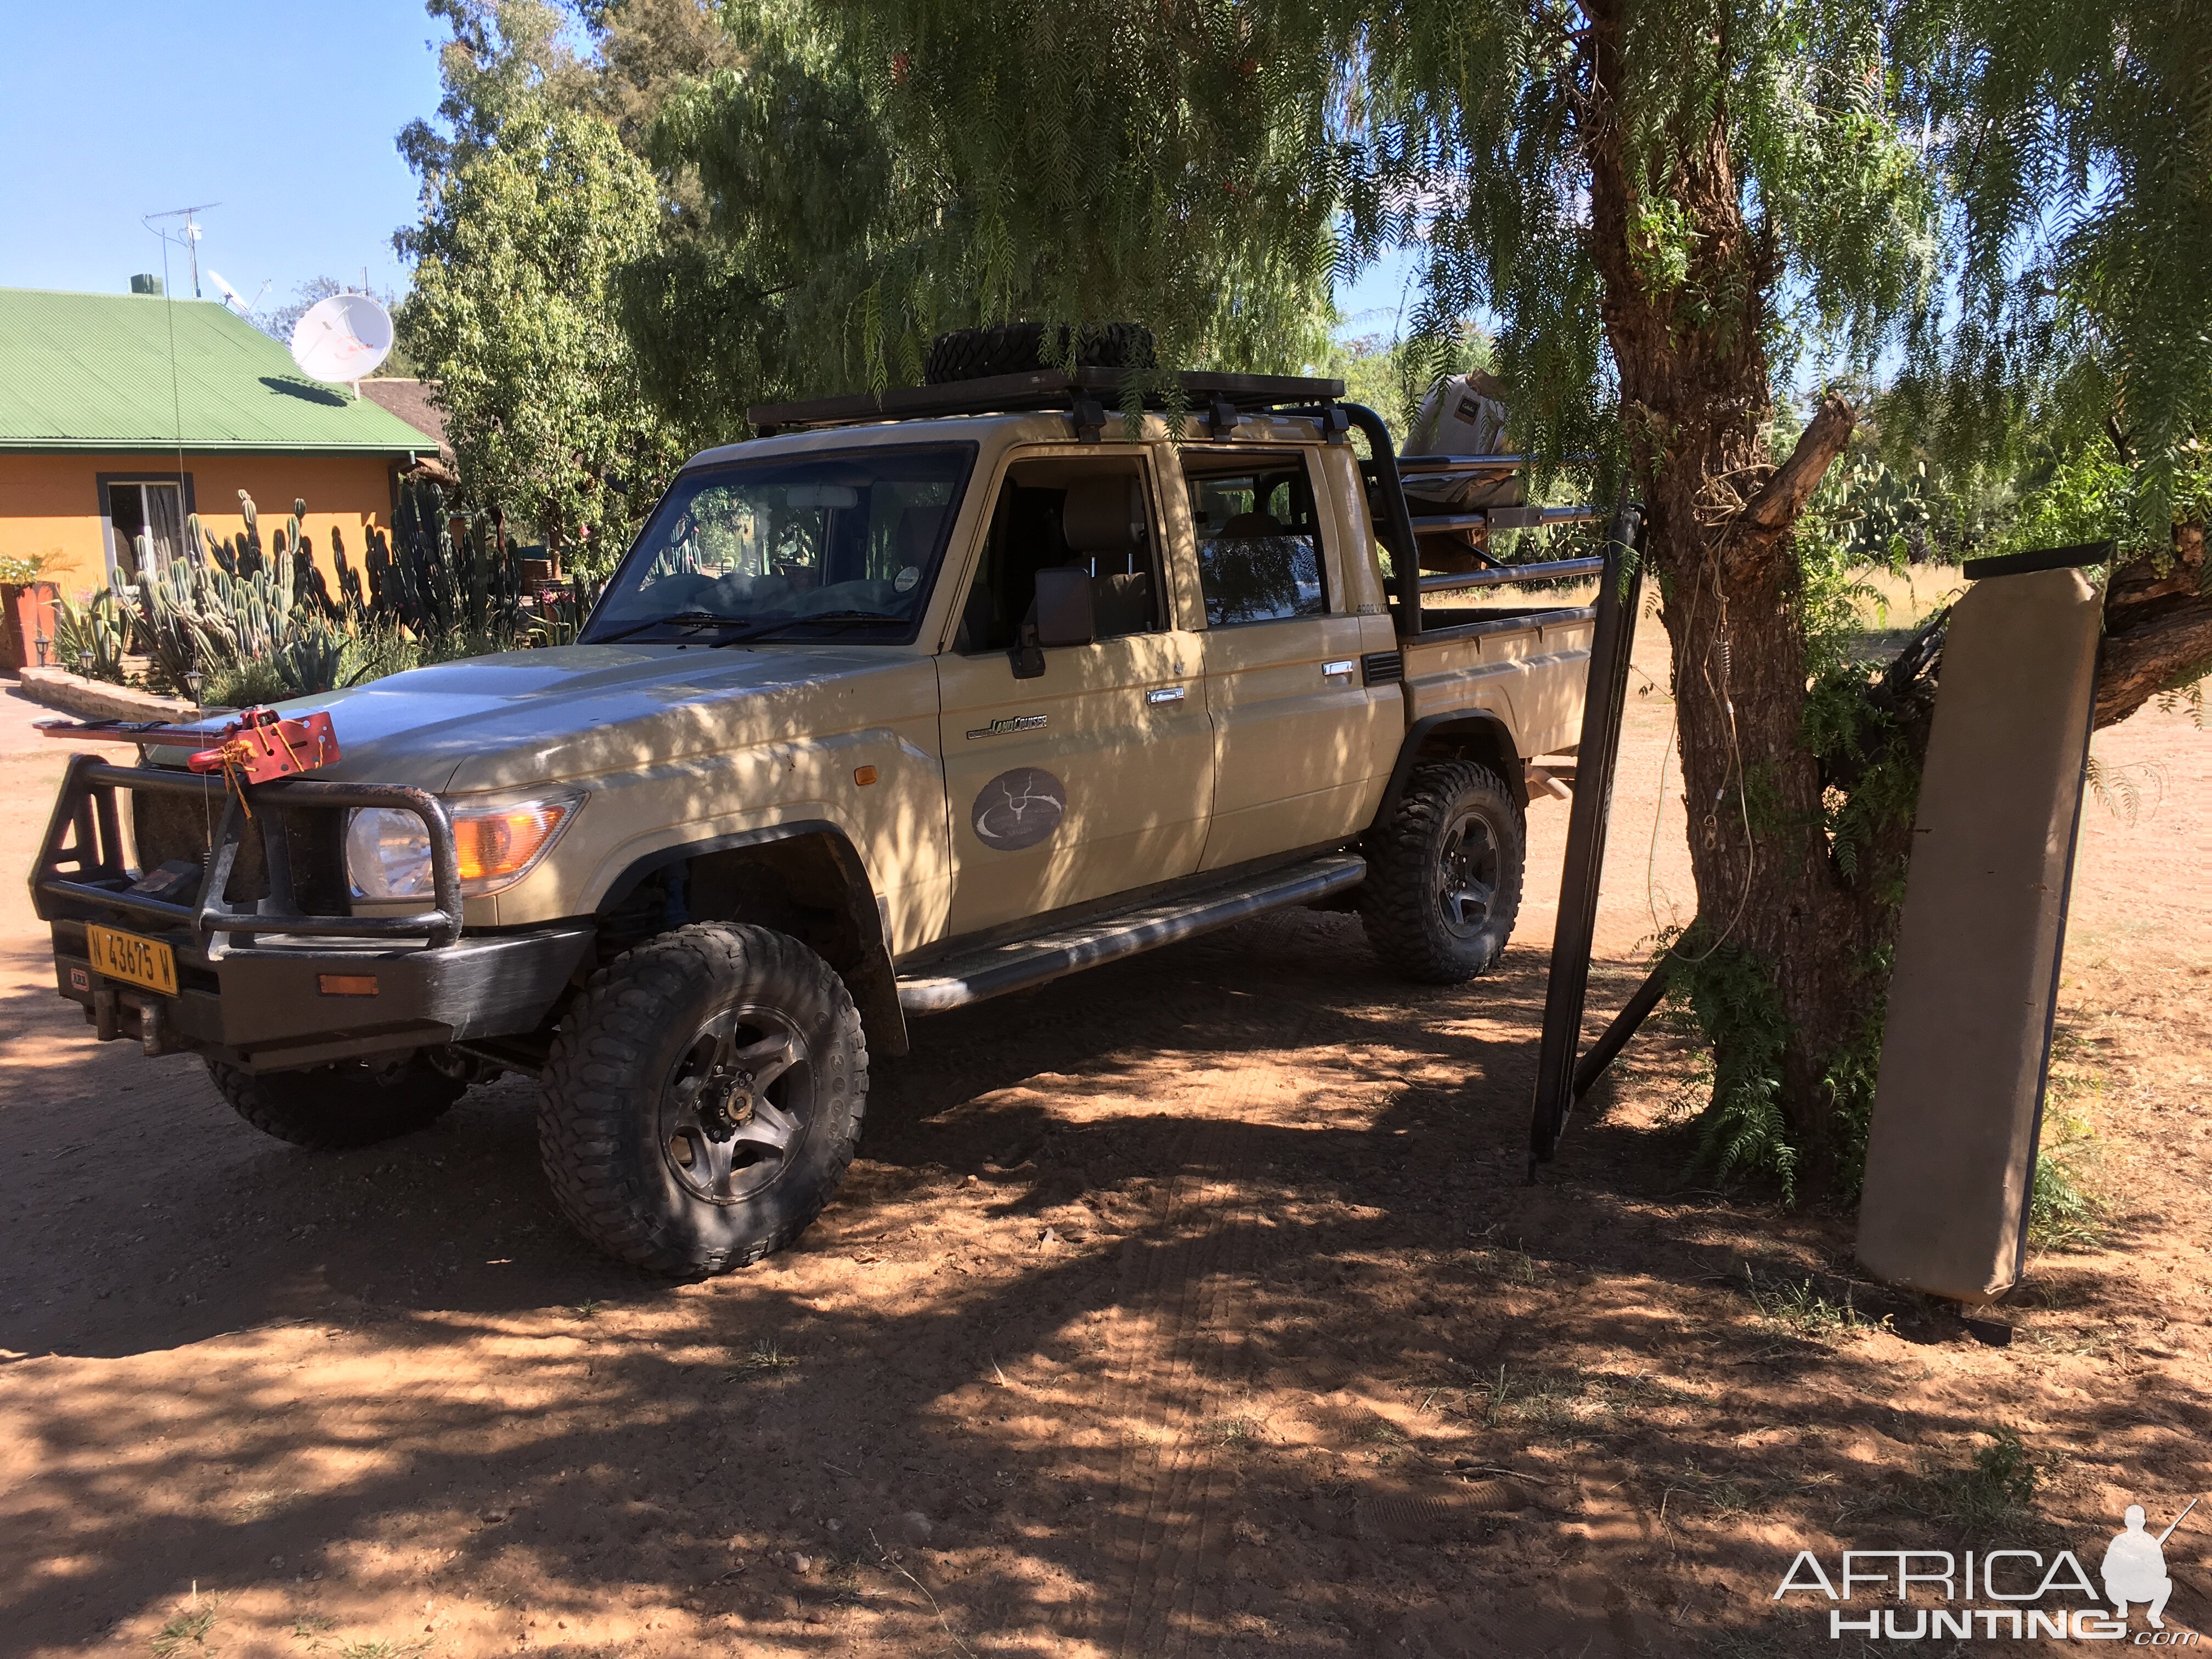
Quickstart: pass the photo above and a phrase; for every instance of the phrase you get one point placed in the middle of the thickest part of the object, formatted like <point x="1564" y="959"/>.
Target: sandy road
<point x="1192" y="1305"/>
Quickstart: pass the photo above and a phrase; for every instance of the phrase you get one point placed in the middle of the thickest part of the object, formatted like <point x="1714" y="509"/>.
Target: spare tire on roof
<point x="975" y="354"/>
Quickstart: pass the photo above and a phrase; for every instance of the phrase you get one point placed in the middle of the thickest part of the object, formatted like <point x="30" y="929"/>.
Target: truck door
<point x="1302" y="745"/>
<point x="1095" y="777"/>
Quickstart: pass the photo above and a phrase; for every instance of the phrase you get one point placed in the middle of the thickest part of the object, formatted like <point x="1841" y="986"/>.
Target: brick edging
<point x="57" y="688"/>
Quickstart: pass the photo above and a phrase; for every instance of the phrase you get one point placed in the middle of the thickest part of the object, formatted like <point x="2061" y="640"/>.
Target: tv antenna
<point x="190" y="236"/>
<point x="342" y="339"/>
<point x="233" y="296"/>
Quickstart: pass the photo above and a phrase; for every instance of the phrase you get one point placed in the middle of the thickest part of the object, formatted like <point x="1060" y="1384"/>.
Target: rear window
<point x="1259" y="541"/>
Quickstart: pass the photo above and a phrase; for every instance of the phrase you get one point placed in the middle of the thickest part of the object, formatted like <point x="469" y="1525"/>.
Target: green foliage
<point x="1798" y="1308"/>
<point x="89" y="635"/>
<point x="1848" y="1081"/>
<point x="309" y="662"/>
<point x="2060" y="1214"/>
<point x="1740" y="1129"/>
<point x="530" y="206"/>
<point x="435" y="586"/>
<point x="20" y="572"/>
<point x="2089" y="498"/>
<point x="864" y="185"/>
<point x="2077" y="143"/>
<point x="1993" y="1493"/>
<point x="222" y="603"/>
<point x="381" y="647"/>
<point x="243" y="685"/>
<point x="2064" y="1211"/>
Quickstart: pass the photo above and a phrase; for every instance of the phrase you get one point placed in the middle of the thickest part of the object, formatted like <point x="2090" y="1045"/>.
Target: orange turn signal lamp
<point x="494" y="845"/>
<point x="864" y="775"/>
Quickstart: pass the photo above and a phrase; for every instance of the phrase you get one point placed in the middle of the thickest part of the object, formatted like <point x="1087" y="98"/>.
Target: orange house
<point x="122" y="414"/>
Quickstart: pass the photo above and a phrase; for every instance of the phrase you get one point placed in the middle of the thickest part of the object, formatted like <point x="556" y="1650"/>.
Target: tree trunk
<point x="2158" y="629"/>
<point x="1694" y="387"/>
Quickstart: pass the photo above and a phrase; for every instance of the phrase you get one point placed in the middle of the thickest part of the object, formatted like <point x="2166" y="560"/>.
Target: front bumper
<point x="264" y="1007"/>
<point x="274" y="970"/>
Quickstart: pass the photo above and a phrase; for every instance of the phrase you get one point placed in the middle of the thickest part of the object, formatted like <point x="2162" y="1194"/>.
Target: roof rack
<point x="1091" y="395"/>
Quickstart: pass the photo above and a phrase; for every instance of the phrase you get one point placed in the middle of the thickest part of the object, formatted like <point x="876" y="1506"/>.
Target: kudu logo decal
<point x="1018" y="809"/>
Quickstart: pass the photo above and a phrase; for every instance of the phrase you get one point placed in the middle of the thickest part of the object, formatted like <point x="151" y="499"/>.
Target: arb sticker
<point x="1018" y="809"/>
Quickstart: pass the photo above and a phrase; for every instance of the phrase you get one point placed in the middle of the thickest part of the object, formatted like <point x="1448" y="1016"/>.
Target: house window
<point x="147" y="521"/>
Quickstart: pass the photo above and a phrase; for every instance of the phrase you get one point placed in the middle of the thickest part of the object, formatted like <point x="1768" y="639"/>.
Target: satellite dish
<point x="342" y="339"/>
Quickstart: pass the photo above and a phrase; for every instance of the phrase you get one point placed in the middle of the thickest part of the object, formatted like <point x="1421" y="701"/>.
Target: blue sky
<point x="1376" y="303"/>
<point x="285" y="114"/>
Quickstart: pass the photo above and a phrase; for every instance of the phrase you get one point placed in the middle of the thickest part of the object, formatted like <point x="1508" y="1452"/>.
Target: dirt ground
<point x="1196" y="1305"/>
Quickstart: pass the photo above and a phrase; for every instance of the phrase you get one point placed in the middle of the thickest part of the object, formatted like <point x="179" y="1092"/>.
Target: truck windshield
<point x="791" y="546"/>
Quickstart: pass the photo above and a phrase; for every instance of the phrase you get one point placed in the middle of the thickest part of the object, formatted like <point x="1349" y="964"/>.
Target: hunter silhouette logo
<point x="2135" y="1566"/>
<point x="1018" y="809"/>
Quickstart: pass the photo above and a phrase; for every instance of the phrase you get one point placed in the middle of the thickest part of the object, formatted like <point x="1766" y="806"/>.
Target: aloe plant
<point x="89" y="635"/>
<point x="310" y="662"/>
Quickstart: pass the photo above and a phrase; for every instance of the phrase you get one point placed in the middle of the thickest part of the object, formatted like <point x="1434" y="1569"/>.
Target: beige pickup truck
<point x="907" y="702"/>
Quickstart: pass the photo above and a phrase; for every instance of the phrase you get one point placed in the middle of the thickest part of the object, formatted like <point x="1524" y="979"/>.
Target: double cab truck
<point x="907" y="702"/>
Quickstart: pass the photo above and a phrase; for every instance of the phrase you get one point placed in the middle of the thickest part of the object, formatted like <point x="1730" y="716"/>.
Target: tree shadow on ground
<point x="1192" y="1305"/>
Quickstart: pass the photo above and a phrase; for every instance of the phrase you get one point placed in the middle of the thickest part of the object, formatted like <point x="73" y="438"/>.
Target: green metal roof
<point x="92" y="372"/>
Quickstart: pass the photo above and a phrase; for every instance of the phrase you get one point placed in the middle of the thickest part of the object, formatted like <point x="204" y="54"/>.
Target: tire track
<point x="1176" y="1357"/>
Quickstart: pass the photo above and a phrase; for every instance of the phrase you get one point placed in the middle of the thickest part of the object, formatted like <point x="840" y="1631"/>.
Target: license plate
<point x="146" y="962"/>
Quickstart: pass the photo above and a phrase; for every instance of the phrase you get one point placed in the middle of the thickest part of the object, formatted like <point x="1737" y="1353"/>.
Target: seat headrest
<point x="1103" y="515"/>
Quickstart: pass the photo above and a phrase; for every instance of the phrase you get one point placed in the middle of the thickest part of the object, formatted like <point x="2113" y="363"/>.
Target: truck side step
<point x="1017" y="964"/>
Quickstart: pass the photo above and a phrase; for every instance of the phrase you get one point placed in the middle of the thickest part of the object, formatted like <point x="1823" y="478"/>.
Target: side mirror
<point x="1062" y="614"/>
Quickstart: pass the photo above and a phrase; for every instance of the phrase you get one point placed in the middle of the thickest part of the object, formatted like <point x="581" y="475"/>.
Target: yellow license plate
<point x="146" y="962"/>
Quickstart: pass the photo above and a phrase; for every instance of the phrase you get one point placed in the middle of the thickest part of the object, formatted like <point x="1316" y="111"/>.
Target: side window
<point x="1095" y="515"/>
<point x="1258" y="538"/>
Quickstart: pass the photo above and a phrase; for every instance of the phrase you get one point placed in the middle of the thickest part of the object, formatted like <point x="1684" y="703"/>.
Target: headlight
<point x="388" y="851"/>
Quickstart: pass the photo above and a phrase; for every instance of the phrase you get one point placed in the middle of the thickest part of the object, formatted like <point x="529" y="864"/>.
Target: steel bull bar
<point x="267" y="984"/>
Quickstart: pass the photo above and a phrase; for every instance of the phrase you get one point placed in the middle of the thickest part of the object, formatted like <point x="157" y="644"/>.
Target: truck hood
<point x="529" y="717"/>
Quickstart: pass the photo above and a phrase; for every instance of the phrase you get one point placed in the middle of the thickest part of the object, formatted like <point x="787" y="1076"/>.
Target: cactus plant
<point x="161" y="617"/>
<point x="356" y="602"/>
<point x="440" y="588"/>
<point x="245" y="618"/>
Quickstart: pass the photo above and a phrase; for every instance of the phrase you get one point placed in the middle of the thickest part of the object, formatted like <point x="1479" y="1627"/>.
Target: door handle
<point x="1164" y="694"/>
<point x="1341" y="669"/>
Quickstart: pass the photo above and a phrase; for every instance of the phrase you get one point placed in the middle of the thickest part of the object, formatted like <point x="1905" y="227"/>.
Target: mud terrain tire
<point x="703" y="1098"/>
<point x="975" y="354"/>
<point x="1444" y="875"/>
<point x="354" y="1104"/>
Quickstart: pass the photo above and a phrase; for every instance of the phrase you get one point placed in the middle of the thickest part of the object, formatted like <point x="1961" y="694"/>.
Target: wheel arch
<point x="1474" y="734"/>
<point x="804" y="878"/>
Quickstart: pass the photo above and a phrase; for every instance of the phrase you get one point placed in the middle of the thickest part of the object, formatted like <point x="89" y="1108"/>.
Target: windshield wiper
<point x="680" y="619"/>
<point x="845" y="618"/>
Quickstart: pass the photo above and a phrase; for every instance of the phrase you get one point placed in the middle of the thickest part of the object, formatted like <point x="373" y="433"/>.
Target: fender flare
<point x="1428" y="725"/>
<point x="874" y="982"/>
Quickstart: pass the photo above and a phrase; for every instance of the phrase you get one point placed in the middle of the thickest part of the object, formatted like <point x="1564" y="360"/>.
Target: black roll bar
<point x="1398" y="530"/>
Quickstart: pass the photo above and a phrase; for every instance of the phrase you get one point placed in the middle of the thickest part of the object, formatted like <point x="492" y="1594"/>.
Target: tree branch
<point x="1776" y="507"/>
<point x="2157" y="629"/>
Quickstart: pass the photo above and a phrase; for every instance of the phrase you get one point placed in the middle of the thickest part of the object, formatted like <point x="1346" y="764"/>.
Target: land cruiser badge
<point x="1018" y="809"/>
<point x="999" y="728"/>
